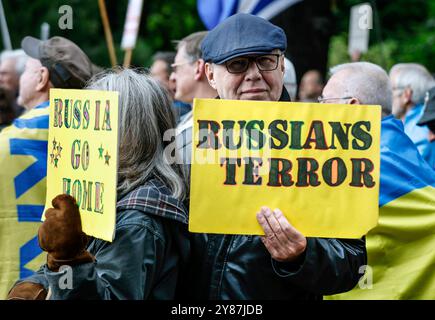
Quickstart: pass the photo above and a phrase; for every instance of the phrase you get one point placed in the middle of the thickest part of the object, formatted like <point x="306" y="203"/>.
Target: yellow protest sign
<point x="83" y="155"/>
<point x="318" y="163"/>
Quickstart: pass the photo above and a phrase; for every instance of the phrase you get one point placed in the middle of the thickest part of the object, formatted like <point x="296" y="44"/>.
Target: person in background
<point x="53" y="63"/>
<point x="7" y="114"/>
<point x="410" y="82"/>
<point x="290" y="79"/>
<point x="400" y="248"/>
<point x="161" y="67"/>
<point x="161" y="70"/>
<point x="188" y="74"/>
<point x="311" y="86"/>
<point x="12" y="65"/>
<point x="428" y="119"/>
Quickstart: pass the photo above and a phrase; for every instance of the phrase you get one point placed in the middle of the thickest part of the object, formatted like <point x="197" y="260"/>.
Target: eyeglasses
<point x="267" y="62"/>
<point x="175" y="65"/>
<point x="321" y="99"/>
<point x="397" y="91"/>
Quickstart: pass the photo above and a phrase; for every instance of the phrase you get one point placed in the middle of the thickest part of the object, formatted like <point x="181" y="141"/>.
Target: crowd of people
<point x="153" y="256"/>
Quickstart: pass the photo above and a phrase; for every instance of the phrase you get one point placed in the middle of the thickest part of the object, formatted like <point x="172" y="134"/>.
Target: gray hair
<point x="192" y="45"/>
<point x="290" y="79"/>
<point x="19" y="56"/>
<point x="367" y="82"/>
<point x="415" y="76"/>
<point x="145" y="114"/>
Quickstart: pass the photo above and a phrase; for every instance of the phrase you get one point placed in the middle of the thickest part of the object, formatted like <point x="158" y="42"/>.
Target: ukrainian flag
<point x="23" y="168"/>
<point x="401" y="249"/>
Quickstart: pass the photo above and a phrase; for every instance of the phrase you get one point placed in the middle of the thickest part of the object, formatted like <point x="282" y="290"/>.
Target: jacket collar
<point x="155" y="198"/>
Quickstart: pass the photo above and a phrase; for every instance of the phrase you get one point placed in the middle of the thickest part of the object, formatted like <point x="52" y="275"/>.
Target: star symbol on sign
<point x="106" y="157"/>
<point x="59" y="149"/>
<point x="101" y="150"/>
<point x="55" y="152"/>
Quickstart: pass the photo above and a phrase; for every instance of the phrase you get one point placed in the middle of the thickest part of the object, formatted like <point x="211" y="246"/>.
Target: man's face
<point x="183" y="75"/>
<point x="28" y="82"/>
<point x="310" y="87"/>
<point x="159" y="71"/>
<point x="399" y="101"/>
<point x="8" y="77"/>
<point x="252" y="84"/>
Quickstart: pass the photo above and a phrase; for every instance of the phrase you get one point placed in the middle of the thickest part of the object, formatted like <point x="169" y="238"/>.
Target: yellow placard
<point x="83" y="155"/>
<point x="318" y="163"/>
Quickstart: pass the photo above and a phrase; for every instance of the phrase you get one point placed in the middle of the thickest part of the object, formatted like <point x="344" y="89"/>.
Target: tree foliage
<point x="403" y="29"/>
<point x="161" y="23"/>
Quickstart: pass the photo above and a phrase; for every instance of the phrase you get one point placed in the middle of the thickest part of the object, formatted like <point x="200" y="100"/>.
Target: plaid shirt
<point x="154" y="198"/>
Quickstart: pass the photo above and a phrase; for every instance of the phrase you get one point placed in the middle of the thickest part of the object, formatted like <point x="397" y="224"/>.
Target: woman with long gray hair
<point x="151" y="245"/>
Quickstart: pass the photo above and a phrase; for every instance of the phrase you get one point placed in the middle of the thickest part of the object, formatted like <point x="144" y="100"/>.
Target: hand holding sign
<point x="82" y="162"/>
<point x="282" y="240"/>
<point x="318" y="163"/>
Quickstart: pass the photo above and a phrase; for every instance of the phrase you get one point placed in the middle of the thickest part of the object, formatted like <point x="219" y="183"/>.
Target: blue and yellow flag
<point x="401" y="249"/>
<point x="23" y="163"/>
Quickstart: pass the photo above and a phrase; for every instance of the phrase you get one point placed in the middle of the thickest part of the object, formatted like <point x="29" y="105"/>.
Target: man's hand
<point x="281" y="239"/>
<point x="61" y="234"/>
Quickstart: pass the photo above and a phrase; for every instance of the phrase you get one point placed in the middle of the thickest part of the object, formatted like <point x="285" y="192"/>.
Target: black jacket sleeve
<point x="328" y="266"/>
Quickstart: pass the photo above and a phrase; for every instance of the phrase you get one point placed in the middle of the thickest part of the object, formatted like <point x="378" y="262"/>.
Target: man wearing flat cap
<point x="54" y="63"/>
<point x="244" y="61"/>
<point x="428" y="119"/>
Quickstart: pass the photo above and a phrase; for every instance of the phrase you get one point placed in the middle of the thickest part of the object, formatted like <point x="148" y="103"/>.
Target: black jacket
<point x="240" y="267"/>
<point x="144" y="261"/>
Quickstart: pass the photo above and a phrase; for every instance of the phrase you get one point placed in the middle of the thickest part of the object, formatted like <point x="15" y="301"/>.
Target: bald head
<point x="365" y="82"/>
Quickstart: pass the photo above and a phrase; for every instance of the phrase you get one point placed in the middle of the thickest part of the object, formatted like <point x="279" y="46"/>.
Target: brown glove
<point x="61" y="234"/>
<point x="27" y="291"/>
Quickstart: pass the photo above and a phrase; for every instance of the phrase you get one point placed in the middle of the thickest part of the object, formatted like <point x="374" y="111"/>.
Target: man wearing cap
<point x="244" y="61"/>
<point x="54" y="63"/>
<point x="428" y="119"/>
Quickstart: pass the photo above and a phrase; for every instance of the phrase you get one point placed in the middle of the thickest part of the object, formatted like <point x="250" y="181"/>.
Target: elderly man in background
<point x="311" y="86"/>
<point x="359" y="83"/>
<point x="428" y="119"/>
<point x="12" y="64"/>
<point x="54" y="63"/>
<point x="400" y="249"/>
<point x="161" y="70"/>
<point x="188" y="74"/>
<point x="244" y="61"/>
<point x="410" y="82"/>
<point x="290" y="82"/>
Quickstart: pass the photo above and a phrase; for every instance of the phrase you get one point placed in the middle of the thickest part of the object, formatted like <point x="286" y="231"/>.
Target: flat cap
<point x="429" y="108"/>
<point x="239" y="35"/>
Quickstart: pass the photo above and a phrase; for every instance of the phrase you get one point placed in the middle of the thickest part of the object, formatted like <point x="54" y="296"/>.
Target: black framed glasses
<point x="266" y="62"/>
